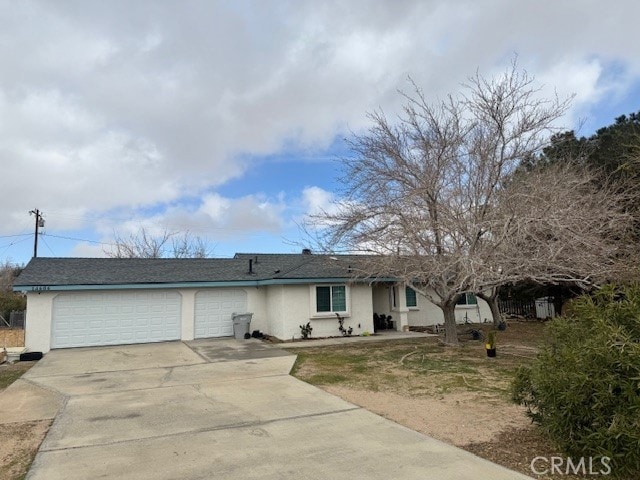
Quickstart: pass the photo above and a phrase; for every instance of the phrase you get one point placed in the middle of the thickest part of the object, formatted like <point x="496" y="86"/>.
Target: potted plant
<point x="490" y="344"/>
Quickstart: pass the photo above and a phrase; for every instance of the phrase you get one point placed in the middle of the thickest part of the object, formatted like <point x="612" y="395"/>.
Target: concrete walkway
<point x="173" y="411"/>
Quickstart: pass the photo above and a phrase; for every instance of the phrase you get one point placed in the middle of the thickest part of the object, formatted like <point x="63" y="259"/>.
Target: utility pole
<point x="39" y="224"/>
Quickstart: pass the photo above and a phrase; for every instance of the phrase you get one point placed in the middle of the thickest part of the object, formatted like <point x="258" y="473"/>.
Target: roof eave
<point x="232" y="283"/>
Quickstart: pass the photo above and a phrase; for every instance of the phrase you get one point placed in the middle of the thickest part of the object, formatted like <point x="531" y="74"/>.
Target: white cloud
<point x="90" y="250"/>
<point x="215" y="217"/>
<point x="580" y="78"/>
<point x="251" y="213"/>
<point x="317" y="201"/>
<point x="215" y="206"/>
<point x="121" y="105"/>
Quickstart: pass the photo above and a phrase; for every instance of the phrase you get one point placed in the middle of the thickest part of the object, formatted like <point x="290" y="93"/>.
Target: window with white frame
<point x="467" y="299"/>
<point x="412" y="299"/>
<point x="331" y="298"/>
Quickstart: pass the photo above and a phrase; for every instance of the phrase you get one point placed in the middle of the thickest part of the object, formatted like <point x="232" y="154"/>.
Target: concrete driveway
<point x="217" y="409"/>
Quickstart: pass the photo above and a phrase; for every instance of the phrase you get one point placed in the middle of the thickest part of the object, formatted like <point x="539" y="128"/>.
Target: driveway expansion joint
<point x="167" y="375"/>
<point x="56" y="375"/>
<point x="196" y="384"/>
<point x="231" y="426"/>
<point x="35" y="383"/>
<point x="197" y="352"/>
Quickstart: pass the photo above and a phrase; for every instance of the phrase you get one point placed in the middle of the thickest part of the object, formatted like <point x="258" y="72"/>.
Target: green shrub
<point x="584" y="386"/>
<point x="11" y="301"/>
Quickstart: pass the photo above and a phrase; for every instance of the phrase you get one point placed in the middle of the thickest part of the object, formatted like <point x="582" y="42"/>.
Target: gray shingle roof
<point x="127" y="271"/>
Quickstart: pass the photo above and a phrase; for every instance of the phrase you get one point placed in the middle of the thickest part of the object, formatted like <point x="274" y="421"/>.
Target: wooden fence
<point x="16" y="320"/>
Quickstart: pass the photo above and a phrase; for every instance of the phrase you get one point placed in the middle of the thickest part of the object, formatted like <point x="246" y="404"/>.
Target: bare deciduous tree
<point x="188" y="246"/>
<point x="8" y="273"/>
<point x="166" y="244"/>
<point x="560" y="224"/>
<point x="431" y="195"/>
<point x="9" y="300"/>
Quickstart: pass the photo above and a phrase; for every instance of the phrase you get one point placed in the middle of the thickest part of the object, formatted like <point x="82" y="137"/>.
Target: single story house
<point x="78" y="302"/>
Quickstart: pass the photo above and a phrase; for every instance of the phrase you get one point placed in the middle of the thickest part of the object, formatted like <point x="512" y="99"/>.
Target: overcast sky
<point x="225" y="118"/>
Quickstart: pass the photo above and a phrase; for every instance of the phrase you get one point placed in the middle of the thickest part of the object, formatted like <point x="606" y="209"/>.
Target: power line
<point x="17" y="235"/>
<point x="77" y="239"/>
<point x="9" y="245"/>
<point x="47" y="245"/>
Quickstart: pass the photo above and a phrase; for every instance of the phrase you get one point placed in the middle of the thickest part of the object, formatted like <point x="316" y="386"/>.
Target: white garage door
<point x="114" y="318"/>
<point x="213" y="311"/>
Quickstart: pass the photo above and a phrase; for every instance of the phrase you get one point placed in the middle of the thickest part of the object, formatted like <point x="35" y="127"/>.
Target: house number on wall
<point x="40" y="288"/>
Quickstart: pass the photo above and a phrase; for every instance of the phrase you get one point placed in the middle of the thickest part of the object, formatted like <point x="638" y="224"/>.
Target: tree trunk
<point x="450" y="328"/>
<point x="495" y="311"/>
<point x="492" y="301"/>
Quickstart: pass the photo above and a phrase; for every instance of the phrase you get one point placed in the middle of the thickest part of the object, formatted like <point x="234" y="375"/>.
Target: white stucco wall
<point x="427" y="313"/>
<point x="257" y="304"/>
<point x="278" y="310"/>
<point x="274" y="303"/>
<point x="38" y="322"/>
<point x="360" y="316"/>
<point x="290" y="306"/>
<point x="294" y="311"/>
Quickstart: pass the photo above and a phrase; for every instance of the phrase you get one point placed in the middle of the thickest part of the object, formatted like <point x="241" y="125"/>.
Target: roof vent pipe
<point x="251" y="266"/>
<point x="306" y="251"/>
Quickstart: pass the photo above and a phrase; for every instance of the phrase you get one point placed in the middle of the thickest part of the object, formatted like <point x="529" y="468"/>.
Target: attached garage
<point x="214" y="309"/>
<point x="86" y="302"/>
<point x="113" y="318"/>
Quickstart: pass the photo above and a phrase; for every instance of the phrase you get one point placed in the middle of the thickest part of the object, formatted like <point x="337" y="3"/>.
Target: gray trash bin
<point x="241" y="324"/>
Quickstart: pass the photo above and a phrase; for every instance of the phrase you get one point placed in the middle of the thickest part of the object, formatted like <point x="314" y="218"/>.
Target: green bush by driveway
<point x="584" y="386"/>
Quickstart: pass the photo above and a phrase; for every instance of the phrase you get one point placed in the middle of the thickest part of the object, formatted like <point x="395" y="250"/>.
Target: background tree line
<point x="8" y="299"/>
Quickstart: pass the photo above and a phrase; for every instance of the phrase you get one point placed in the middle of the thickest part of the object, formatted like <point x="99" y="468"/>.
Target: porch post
<point x="402" y="311"/>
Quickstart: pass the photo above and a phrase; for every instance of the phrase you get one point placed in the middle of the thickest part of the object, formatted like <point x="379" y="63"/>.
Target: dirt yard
<point x="456" y="395"/>
<point x="11" y="337"/>
<point x="19" y="441"/>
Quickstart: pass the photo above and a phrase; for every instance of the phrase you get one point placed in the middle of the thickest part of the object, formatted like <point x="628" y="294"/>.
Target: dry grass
<point x="19" y="441"/>
<point x="454" y="394"/>
<point x="421" y="366"/>
<point x="10" y="372"/>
